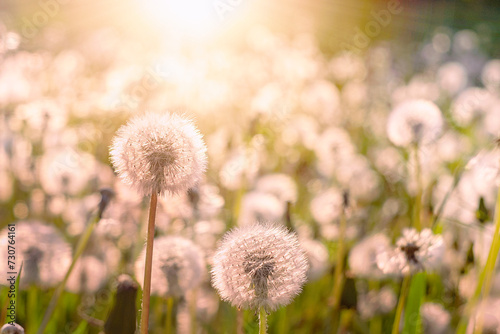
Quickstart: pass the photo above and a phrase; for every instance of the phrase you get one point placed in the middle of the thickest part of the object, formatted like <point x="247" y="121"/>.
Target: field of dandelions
<point x="287" y="191"/>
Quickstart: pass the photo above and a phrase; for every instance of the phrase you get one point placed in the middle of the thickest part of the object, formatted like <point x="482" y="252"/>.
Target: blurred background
<point x="295" y="87"/>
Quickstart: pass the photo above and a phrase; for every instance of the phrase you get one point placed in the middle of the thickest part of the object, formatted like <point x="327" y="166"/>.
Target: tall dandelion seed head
<point x="260" y="265"/>
<point x="163" y="153"/>
<point x="414" y="122"/>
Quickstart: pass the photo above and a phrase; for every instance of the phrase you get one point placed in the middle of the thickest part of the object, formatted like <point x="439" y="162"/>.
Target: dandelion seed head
<point x="162" y="153"/>
<point x="42" y="250"/>
<point x="65" y="171"/>
<point x="414" y="122"/>
<point x="178" y="266"/>
<point x="327" y="206"/>
<point x="259" y="266"/>
<point x="414" y="251"/>
<point x="11" y="329"/>
<point x="280" y="185"/>
<point x="260" y="207"/>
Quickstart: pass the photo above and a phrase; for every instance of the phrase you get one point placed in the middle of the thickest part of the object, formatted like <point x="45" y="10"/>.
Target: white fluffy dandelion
<point x="178" y="266"/>
<point x="11" y="329"/>
<point x="162" y="153"/>
<point x="414" y="122"/>
<point x="414" y="251"/>
<point x="158" y="154"/>
<point x="41" y="248"/>
<point x="259" y="267"/>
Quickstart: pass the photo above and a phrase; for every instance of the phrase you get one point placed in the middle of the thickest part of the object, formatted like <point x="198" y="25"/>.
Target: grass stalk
<point x="417" y="210"/>
<point x="82" y="244"/>
<point x="403" y="294"/>
<point x="338" y="278"/>
<point x="485" y="278"/>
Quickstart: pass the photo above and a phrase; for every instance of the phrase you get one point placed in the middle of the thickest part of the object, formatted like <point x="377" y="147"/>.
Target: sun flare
<point x="195" y="18"/>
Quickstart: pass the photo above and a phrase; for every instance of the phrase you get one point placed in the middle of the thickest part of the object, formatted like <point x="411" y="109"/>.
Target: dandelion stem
<point x="239" y="321"/>
<point x="262" y="321"/>
<point x="82" y="244"/>
<point x="376" y="321"/>
<point x="417" y="210"/>
<point x="170" y="311"/>
<point x="32" y="306"/>
<point x="338" y="278"/>
<point x="405" y="288"/>
<point x="146" y="292"/>
<point x="485" y="279"/>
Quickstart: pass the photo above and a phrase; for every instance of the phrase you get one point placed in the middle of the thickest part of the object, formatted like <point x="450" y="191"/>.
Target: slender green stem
<point x="32" y="304"/>
<point x="338" y="278"/>
<point x="485" y="279"/>
<point x="405" y="287"/>
<point x="146" y="291"/>
<point x="440" y="209"/>
<point x="82" y="244"/>
<point x="417" y="210"/>
<point x="262" y="321"/>
<point x="170" y="311"/>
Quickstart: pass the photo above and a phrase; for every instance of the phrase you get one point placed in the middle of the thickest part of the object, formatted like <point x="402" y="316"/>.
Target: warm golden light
<point x="195" y="18"/>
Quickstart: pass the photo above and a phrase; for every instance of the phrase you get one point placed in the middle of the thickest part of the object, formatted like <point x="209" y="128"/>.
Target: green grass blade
<point x="413" y="323"/>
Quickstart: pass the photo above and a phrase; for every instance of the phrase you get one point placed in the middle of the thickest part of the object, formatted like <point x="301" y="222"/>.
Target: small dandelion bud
<point x="178" y="266"/>
<point x="259" y="266"/>
<point x="122" y="316"/>
<point x="162" y="153"/>
<point x="414" y="122"/>
<point x="12" y="329"/>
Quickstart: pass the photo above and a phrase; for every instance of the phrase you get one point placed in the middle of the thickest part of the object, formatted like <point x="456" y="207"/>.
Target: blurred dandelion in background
<point x="42" y="250"/>
<point x="414" y="122"/>
<point x="178" y="266"/>
<point x="414" y="251"/>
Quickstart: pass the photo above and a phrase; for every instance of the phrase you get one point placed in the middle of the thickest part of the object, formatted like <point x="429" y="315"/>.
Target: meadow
<point x="282" y="187"/>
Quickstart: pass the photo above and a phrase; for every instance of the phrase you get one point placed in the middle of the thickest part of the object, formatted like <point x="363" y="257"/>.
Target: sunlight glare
<point x="196" y="18"/>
